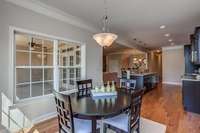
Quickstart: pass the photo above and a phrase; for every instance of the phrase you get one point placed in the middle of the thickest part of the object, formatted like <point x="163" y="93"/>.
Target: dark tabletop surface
<point x="100" y="107"/>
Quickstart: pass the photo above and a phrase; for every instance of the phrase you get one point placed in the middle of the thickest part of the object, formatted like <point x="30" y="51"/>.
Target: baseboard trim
<point x="44" y="117"/>
<point x="173" y="83"/>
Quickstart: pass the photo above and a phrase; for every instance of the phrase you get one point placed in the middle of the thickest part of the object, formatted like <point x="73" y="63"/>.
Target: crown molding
<point x="55" y="13"/>
<point x="52" y="12"/>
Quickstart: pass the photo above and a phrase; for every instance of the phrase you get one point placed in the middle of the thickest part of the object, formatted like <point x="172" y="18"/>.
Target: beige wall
<point x="118" y="61"/>
<point x="12" y="15"/>
<point x="173" y="64"/>
<point x="155" y="62"/>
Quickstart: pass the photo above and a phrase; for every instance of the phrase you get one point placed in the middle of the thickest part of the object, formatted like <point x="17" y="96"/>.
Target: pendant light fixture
<point x="105" y="38"/>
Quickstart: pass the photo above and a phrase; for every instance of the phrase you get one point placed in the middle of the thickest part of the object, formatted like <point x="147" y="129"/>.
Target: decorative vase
<point x="113" y="86"/>
<point x="96" y="89"/>
<point x="108" y="87"/>
<point x="102" y="88"/>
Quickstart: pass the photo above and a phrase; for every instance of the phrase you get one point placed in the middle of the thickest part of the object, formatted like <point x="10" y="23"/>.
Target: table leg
<point x="94" y="126"/>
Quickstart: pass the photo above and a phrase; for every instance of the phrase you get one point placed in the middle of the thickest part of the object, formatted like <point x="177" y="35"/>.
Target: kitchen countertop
<point x="143" y="74"/>
<point x="190" y="77"/>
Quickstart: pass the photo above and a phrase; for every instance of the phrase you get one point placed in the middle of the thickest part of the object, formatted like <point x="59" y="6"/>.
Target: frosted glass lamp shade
<point x="105" y="39"/>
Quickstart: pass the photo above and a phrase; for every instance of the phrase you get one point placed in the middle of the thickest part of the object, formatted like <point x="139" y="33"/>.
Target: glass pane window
<point x="78" y="58"/>
<point x="78" y="73"/>
<point x="22" y="75"/>
<point x="22" y="42"/>
<point x="36" y="45"/>
<point x="71" y="73"/>
<point x="48" y="87"/>
<point x="36" y="59"/>
<point x="22" y="58"/>
<point x="35" y="66"/>
<point x="22" y="91"/>
<point x="64" y="61"/>
<point x="64" y="73"/>
<point x="48" y="59"/>
<point x="48" y="74"/>
<point x="48" y="46"/>
<point x="37" y="89"/>
<point x="36" y="74"/>
<point x="71" y="82"/>
<point x="71" y="60"/>
<point x="63" y="85"/>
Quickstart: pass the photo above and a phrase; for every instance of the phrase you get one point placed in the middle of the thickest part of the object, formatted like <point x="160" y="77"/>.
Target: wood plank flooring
<point x="163" y="104"/>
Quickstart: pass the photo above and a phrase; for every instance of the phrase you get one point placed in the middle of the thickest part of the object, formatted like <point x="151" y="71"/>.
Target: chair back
<point x="128" y="83"/>
<point x="131" y="84"/>
<point x="84" y="87"/>
<point x="122" y="83"/>
<point x="64" y="112"/>
<point x="134" y="114"/>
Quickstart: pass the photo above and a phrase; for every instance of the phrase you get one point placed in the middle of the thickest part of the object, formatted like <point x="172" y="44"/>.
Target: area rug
<point x="149" y="126"/>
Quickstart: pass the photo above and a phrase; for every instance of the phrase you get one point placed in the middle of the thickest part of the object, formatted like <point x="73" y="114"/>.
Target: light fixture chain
<point x="105" y="18"/>
<point x="105" y="38"/>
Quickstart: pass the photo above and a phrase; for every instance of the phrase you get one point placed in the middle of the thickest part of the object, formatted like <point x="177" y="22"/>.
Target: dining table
<point x="99" y="108"/>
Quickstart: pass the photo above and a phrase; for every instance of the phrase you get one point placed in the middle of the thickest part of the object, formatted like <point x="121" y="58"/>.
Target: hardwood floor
<point x="163" y="104"/>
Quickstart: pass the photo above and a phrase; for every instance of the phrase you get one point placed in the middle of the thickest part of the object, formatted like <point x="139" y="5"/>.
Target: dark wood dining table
<point x="99" y="108"/>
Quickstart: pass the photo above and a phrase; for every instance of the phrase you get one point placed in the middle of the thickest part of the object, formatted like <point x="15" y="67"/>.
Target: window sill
<point x="36" y="100"/>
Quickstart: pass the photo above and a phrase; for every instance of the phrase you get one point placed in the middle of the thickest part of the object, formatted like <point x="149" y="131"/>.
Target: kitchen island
<point x="146" y="80"/>
<point x="191" y="93"/>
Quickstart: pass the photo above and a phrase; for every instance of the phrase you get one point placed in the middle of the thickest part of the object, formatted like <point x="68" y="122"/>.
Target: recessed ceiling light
<point x="170" y="40"/>
<point x="172" y="43"/>
<point x="162" y="27"/>
<point x="167" y="35"/>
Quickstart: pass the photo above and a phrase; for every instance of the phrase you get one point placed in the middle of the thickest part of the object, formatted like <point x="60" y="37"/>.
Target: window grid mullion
<point x="74" y="78"/>
<point x="42" y="67"/>
<point x="55" y="64"/>
<point x="30" y="64"/>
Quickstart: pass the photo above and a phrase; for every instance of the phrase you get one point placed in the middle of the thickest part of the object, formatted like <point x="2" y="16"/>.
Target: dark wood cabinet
<point x="190" y="67"/>
<point x="191" y="96"/>
<point x="148" y="81"/>
<point x="195" y="41"/>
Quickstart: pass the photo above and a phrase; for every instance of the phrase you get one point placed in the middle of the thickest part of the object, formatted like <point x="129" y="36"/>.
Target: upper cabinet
<point x="195" y="41"/>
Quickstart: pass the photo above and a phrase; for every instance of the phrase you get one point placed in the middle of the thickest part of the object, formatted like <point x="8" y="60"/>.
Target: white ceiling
<point x="116" y="48"/>
<point x="139" y="19"/>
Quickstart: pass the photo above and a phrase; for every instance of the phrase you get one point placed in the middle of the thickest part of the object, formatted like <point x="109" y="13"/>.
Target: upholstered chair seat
<point x="127" y="122"/>
<point x="120" y="121"/>
<point x="82" y="126"/>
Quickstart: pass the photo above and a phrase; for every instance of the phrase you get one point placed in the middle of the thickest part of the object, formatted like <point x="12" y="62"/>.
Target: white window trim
<point x="12" y="76"/>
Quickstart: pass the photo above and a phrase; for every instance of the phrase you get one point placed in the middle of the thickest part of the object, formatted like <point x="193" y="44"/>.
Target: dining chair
<point x="67" y="123"/>
<point x="127" y="122"/>
<point x="122" y="83"/>
<point x="84" y="87"/>
<point x="128" y="83"/>
<point x="131" y="84"/>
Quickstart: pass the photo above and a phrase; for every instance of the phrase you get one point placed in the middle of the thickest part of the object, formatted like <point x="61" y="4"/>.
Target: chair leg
<point x="59" y="128"/>
<point x="138" y="130"/>
<point x="138" y="127"/>
<point x="104" y="128"/>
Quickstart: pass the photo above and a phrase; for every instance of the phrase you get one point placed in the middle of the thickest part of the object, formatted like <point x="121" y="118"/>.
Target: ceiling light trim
<point x="55" y="13"/>
<point x="172" y="48"/>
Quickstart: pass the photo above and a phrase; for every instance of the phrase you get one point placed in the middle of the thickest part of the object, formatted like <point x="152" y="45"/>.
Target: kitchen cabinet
<point x="190" y="67"/>
<point x="195" y="41"/>
<point x="191" y="95"/>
